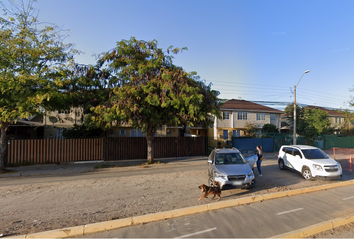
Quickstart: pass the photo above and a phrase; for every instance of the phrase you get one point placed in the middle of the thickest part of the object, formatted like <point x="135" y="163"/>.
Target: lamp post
<point x="294" y="130"/>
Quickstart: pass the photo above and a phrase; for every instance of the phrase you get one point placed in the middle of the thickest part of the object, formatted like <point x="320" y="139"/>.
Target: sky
<point x="256" y="50"/>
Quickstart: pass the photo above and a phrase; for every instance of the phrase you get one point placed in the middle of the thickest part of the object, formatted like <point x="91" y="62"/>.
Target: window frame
<point x="224" y="114"/>
<point x="242" y="116"/>
<point x="260" y="117"/>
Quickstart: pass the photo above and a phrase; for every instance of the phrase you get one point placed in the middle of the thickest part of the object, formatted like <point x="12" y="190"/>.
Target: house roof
<point x="235" y="104"/>
<point x="329" y="111"/>
<point x="28" y="123"/>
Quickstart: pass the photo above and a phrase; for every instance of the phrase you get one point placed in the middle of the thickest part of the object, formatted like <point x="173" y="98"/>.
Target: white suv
<point x="310" y="161"/>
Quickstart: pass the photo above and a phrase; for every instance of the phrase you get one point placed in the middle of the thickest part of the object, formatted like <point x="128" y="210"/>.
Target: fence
<point x="332" y="141"/>
<point x="243" y="143"/>
<point x="53" y="150"/>
<point x="345" y="156"/>
<point x="287" y="139"/>
<point x="120" y="148"/>
<point x="164" y="147"/>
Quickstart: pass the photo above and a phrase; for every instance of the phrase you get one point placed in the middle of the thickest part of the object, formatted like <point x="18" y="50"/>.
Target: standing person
<point x="259" y="161"/>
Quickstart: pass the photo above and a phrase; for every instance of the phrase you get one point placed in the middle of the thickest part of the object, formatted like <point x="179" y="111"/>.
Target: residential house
<point x="236" y="113"/>
<point x="55" y="122"/>
<point x="26" y="128"/>
<point x="336" y="117"/>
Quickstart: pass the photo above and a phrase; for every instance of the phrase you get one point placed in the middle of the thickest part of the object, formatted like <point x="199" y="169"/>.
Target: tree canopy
<point x="269" y="128"/>
<point x="32" y="59"/>
<point x="149" y="91"/>
<point x="310" y="122"/>
<point x="250" y="130"/>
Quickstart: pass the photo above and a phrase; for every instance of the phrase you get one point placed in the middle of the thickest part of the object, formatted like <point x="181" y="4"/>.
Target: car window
<point x="297" y="153"/>
<point x="229" y="158"/>
<point x="289" y="150"/>
<point x="314" y="154"/>
<point x="248" y="153"/>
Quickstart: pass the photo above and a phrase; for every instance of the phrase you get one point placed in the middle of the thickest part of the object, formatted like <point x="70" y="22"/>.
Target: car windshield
<point x="229" y="158"/>
<point x="314" y="154"/>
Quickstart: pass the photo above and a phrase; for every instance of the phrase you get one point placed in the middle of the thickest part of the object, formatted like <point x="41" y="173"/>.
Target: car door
<point x="297" y="160"/>
<point x="251" y="160"/>
<point x="289" y="157"/>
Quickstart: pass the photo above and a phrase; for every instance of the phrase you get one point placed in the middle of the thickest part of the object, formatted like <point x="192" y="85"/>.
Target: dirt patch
<point x="30" y="208"/>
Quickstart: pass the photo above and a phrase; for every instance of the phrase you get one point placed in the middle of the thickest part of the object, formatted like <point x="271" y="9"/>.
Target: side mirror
<point x="210" y="161"/>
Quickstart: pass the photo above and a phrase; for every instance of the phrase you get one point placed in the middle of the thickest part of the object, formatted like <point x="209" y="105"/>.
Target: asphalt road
<point x="258" y="220"/>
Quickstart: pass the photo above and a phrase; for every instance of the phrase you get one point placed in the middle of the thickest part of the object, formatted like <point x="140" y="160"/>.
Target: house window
<point x="272" y="117"/>
<point x="168" y="132"/>
<point x="60" y="133"/>
<point x="122" y="133"/>
<point x="226" y="134"/>
<point x="226" y="115"/>
<point x="136" y="133"/>
<point x="260" y="117"/>
<point x="242" y="116"/>
<point x="236" y="133"/>
<point x="338" y="119"/>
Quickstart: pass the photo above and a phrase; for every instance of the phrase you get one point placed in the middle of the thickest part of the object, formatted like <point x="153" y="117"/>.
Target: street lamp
<point x="294" y="130"/>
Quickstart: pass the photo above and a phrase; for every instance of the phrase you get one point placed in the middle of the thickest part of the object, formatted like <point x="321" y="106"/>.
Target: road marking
<point x="294" y="210"/>
<point x="348" y="198"/>
<point x="196" y="233"/>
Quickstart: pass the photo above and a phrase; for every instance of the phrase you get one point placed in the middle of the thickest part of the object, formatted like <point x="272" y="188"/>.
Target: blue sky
<point x="254" y="50"/>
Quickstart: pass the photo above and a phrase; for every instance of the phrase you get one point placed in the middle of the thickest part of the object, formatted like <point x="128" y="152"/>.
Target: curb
<point x="125" y="222"/>
<point x="317" y="228"/>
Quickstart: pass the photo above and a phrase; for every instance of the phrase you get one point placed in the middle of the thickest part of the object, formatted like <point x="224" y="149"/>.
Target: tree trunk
<point x="3" y="145"/>
<point x="150" y="145"/>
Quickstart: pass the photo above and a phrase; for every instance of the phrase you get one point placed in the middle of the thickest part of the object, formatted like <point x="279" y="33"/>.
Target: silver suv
<point x="230" y="168"/>
<point x="310" y="161"/>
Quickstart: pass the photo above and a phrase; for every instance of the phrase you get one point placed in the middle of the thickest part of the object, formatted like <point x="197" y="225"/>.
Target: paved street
<point x="268" y="218"/>
<point x="257" y="220"/>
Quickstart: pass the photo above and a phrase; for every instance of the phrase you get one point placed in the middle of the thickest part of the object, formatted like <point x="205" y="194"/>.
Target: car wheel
<point x="281" y="164"/>
<point x="252" y="185"/>
<point x="306" y="173"/>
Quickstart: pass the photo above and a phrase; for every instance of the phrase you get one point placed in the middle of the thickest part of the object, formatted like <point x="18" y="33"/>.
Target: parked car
<point x="230" y="168"/>
<point x="310" y="161"/>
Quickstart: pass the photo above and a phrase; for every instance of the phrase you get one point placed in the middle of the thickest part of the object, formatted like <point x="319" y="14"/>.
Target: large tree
<point x="32" y="59"/>
<point x="150" y="91"/>
<point x="310" y="122"/>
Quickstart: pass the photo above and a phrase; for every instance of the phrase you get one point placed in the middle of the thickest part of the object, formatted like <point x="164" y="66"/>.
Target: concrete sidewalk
<point x="89" y="166"/>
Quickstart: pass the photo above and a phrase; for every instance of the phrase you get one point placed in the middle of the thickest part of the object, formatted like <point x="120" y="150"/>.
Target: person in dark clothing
<point x="259" y="160"/>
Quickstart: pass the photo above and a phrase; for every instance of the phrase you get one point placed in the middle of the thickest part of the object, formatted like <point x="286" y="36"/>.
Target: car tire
<point x="253" y="183"/>
<point x="306" y="173"/>
<point x="281" y="164"/>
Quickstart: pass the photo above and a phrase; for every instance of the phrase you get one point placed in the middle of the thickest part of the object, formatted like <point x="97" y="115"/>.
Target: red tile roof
<point x="329" y="111"/>
<point x="244" y="105"/>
